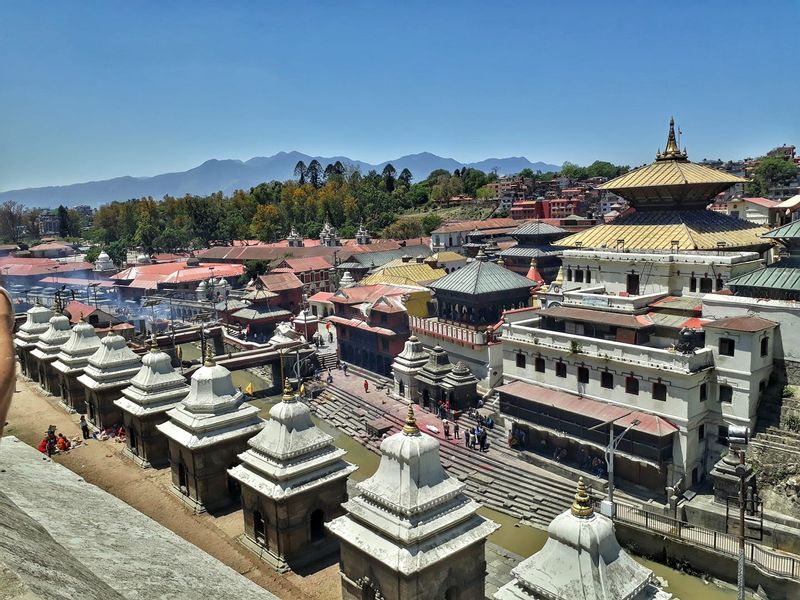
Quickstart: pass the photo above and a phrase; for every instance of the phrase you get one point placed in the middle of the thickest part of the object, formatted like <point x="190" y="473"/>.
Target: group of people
<point x="53" y="443"/>
<point x="477" y="437"/>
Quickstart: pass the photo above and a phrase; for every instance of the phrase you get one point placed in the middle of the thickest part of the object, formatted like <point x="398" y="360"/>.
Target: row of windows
<point x="727" y="346"/>
<point x="579" y="275"/>
<point x="706" y="284"/>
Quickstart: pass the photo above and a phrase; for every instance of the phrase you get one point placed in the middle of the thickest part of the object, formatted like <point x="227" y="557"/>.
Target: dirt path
<point x="147" y="490"/>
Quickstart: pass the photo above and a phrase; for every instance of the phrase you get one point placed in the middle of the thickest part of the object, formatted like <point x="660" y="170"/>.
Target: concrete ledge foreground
<point x="63" y="538"/>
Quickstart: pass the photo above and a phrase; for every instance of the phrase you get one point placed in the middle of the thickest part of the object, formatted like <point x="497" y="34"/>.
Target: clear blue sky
<point x="91" y="90"/>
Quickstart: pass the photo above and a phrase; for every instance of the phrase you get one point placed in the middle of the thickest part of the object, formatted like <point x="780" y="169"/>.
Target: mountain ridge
<point x="230" y="174"/>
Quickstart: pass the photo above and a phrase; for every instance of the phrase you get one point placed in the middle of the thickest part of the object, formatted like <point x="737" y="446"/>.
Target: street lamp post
<point x="739" y="436"/>
<point x="608" y="507"/>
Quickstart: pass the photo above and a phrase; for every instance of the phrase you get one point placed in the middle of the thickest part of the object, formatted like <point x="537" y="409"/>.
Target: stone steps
<point x="519" y="491"/>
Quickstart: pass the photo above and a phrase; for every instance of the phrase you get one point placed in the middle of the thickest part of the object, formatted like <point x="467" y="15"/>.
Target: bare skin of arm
<point x="7" y="358"/>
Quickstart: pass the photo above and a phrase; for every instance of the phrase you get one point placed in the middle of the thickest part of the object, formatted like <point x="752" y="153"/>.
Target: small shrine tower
<point x="47" y="348"/>
<point x="405" y="368"/>
<point x="109" y="370"/>
<point x="412" y="533"/>
<point x="71" y="361"/>
<point x="206" y="431"/>
<point x="37" y="321"/>
<point x="154" y="390"/>
<point x="293" y="479"/>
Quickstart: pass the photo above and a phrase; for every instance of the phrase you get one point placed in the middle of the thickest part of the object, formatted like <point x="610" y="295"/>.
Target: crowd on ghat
<point x="54" y="443"/>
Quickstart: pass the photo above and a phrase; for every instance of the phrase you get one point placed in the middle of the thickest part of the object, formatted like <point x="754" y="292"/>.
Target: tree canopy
<point x="771" y="172"/>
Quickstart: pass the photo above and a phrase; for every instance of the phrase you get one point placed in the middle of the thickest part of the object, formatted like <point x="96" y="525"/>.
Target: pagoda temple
<point x="37" y="321"/>
<point x="670" y="197"/>
<point x="71" y="361"/>
<point x="293" y="479"/>
<point x="154" y="390"/>
<point x="109" y="370"/>
<point x="479" y="293"/>
<point x="405" y="367"/>
<point x="581" y="560"/>
<point x="412" y="532"/>
<point x="535" y="241"/>
<point x="460" y="387"/>
<point x="46" y="352"/>
<point x="206" y="432"/>
<point x="430" y="377"/>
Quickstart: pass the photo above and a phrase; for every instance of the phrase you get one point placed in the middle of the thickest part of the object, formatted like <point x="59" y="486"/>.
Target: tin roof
<point x="588" y="315"/>
<point x="785" y="232"/>
<point x="782" y="275"/>
<point x="537" y="228"/>
<point x="745" y="323"/>
<point x="481" y="277"/>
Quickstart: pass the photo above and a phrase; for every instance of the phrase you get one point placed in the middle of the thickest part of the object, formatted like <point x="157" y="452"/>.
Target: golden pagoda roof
<point x="404" y="274"/>
<point x="671" y="181"/>
<point x="658" y="230"/>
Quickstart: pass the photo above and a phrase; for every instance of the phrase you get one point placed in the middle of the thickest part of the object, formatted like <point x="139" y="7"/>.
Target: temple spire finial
<point x="288" y="396"/>
<point x="209" y="362"/>
<point x="671" y="151"/>
<point x="153" y="343"/>
<point x="582" y="505"/>
<point x="410" y="428"/>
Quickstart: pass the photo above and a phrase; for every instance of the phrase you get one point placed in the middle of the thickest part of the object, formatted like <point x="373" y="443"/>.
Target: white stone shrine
<point x="71" y="361"/>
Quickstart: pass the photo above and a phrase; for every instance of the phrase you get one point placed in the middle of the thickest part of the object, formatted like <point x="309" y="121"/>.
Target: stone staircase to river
<point x="521" y="490"/>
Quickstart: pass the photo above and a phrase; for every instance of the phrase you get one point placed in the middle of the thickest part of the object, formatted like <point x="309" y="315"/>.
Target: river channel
<point x="514" y="536"/>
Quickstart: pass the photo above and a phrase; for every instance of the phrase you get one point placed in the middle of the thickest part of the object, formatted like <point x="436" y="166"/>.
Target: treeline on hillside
<point x="267" y="211"/>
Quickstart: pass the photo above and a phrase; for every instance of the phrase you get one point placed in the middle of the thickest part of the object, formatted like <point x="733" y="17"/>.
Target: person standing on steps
<point x="455" y="429"/>
<point x="344" y="368"/>
<point x="446" y="426"/>
<point x="366" y="386"/>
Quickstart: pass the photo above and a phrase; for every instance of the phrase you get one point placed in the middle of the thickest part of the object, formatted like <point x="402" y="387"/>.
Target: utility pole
<point x="738" y="438"/>
<point x="608" y="507"/>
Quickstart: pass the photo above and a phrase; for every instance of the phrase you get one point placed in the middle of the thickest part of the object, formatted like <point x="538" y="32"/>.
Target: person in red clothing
<point x="366" y="386"/>
<point x="43" y="445"/>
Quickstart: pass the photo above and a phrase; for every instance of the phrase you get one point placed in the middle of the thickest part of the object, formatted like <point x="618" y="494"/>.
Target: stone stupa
<point x="37" y="321"/>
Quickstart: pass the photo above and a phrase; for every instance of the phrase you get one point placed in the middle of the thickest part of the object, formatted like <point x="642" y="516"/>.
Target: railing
<point x="770" y="561"/>
<point x="654" y="358"/>
<point x="446" y="331"/>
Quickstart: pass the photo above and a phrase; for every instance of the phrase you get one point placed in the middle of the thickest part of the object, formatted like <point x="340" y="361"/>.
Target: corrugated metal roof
<point x="746" y="323"/>
<point x="537" y="228"/>
<point x="588" y="315"/>
<point x="782" y="275"/>
<point x="367" y="259"/>
<point x="405" y="273"/>
<point x="656" y="230"/>
<point x="528" y="251"/>
<point x="588" y="407"/>
<point x="785" y="232"/>
<point x="480" y="277"/>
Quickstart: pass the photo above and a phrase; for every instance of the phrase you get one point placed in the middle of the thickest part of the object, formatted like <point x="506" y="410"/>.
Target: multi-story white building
<point x="622" y="340"/>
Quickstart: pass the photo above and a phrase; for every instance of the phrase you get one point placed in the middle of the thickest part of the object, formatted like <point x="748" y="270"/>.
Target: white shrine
<point x="109" y="370"/>
<point x="47" y="348"/>
<point x="412" y="533"/>
<point x="293" y="479"/>
<point x="581" y="560"/>
<point x="206" y="432"/>
<point x="71" y="361"/>
<point x="405" y="367"/>
<point x="156" y="388"/>
<point x="37" y="321"/>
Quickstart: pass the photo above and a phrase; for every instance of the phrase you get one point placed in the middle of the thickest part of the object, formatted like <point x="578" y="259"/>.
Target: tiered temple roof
<point x="436" y="368"/>
<point x="37" y="321"/>
<point x="413" y="357"/>
<point x="75" y="353"/>
<point x="290" y="455"/>
<point x="49" y="344"/>
<point x="459" y="377"/>
<point x="581" y="560"/>
<point x="156" y="388"/>
<point x="480" y="277"/>
<point x="670" y="196"/>
<point x="411" y="514"/>
<point x="779" y="280"/>
<point x="213" y="412"/>
<point x="112" y="365"/>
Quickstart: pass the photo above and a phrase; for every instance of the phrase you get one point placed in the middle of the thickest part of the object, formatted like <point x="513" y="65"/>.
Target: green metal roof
<point x="529" y="251"/>
<point x="537" y="228"/>
<point x="782" y="275"/>
<point x="788" y="231"/>
<point x="379" y="259"/>
<point x="480" y="277"/>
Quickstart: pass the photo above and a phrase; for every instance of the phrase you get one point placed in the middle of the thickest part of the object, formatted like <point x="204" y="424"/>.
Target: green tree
<point x="431" y="222"/>
<point x="314" y="174"/>
<point x="405" y="177"/>
<point x="254" y="268"/>
<point x="527" y="173"/>
<point x="12" y="216"/>
<point x="118" y="252"/>
<point x="92" y="254"/>
<point x="388" y="177"/>
<point x="300" y="172"/>
<point x="769" y="173"/>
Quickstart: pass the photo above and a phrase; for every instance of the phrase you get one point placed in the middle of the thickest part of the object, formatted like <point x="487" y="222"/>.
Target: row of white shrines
<point x="409" y="531"/>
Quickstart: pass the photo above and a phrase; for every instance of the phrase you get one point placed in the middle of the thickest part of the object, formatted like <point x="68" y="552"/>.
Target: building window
<point x="561" y="369"/>
<point x="659" y="391"/>
<point x="701" y="433"/>
<point x="764" y="346"/>
<point x="703" y="392"/>
<point x="692" y="284"/>
<point x="583" y="375"/>
<point x="632" y="286"/>
<point x="384" y="344"/>
<point x="569" y="274"/>
<point x="259" y="528"/>
<point x="720" y="285"/>
<point x="520" y="361"/>
<point x="722" y="435"/>
<point x="725" y="394"/>
<point x="538" y="365"/>
<point x="606" y="380"/>
<point x="705" y="285"/>
<point x="632" y="386"/>
<point x="578" y="276"/>
<point x="588" y="276"/>
<point x="762" y="385"/>
<point x="726" y="346"/>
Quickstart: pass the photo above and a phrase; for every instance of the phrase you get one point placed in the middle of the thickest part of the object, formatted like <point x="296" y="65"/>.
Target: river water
<point x="513" y="535"/>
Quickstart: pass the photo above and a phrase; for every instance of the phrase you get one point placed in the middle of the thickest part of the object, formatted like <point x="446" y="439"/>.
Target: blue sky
<point x="91" y="90"/>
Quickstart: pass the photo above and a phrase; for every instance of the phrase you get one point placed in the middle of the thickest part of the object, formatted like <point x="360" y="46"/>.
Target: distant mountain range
<point x="229" y="175"/>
